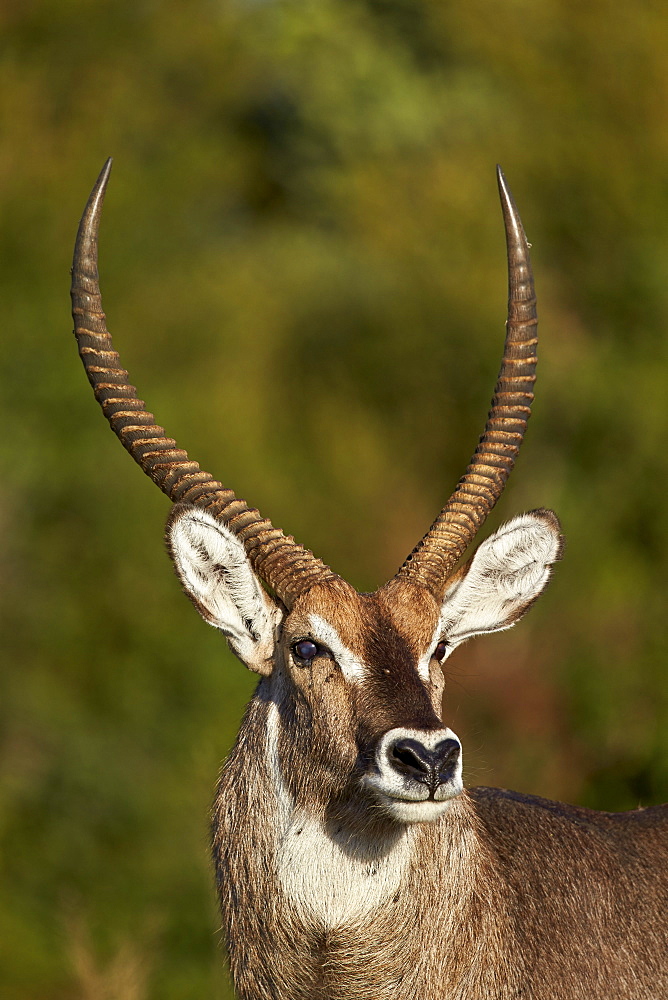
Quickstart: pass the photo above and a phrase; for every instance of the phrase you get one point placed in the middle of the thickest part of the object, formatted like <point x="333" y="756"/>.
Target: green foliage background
<point x="303" y="263"/>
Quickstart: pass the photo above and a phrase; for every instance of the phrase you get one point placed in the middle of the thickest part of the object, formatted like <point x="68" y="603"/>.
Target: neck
<point x="329" y="896"/>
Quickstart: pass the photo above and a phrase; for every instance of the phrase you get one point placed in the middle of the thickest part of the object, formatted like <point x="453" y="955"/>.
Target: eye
<point x="305" y="650"/>
<point x="439" y="652"/>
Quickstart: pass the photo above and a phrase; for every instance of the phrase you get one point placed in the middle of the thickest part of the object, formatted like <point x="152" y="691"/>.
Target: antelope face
<point x="365" y="669"/>
<point x="355" y="681"/>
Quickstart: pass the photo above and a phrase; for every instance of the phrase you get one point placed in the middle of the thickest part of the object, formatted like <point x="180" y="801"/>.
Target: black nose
<point x="414" y="760"/>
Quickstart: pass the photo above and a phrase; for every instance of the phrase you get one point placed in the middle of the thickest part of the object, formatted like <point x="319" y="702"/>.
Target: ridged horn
<point x="435" y="556"/>
<point x="288" y="568"/>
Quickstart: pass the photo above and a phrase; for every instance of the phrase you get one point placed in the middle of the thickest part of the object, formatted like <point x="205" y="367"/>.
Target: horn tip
<point x="97" y="194"/>
<point x="100" y="186"/>
<point x="90" y="220"/>
<point x="106" y="170"/>
<point x="504" y="191"/>
<point x="514" y="228"/>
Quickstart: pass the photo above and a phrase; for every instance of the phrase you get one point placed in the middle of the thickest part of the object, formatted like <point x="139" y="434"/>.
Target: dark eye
<point x="439" y="652"/>
<point x="305" y="649"/>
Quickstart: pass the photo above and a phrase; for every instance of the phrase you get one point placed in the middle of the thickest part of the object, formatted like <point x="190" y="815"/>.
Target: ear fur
<point x="217" y="576"/>
<point x="509" y="570"/>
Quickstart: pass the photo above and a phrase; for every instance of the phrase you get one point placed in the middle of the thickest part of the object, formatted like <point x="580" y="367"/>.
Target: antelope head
<point x="354" y="681"/>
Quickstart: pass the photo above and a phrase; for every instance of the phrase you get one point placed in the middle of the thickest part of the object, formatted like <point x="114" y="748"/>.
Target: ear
<point x="217" y="576"/>
<point x="503" y="579"/>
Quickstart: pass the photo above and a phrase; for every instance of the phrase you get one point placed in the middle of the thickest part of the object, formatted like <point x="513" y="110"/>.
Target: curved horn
<point x="285" y="566"/>
<point x="433" y="559"/>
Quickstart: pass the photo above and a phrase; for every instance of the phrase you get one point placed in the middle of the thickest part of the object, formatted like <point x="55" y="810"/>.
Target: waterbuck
<point x="351" y="862"/>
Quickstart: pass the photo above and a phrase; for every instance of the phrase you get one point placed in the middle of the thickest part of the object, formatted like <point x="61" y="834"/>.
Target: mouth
<point x="416" y="804"/>
<point x="414" y="810"/>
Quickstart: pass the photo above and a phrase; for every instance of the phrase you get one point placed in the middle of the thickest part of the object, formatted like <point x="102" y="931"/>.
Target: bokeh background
<point x="304" y="267"/>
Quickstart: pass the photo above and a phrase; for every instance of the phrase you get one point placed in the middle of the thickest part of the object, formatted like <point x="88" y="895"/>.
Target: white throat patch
<point x="335" y="882"/>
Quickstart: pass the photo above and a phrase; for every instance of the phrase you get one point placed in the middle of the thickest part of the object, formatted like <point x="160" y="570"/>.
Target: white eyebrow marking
<point x="351" y="667"/>
<point x="425" y="659"/>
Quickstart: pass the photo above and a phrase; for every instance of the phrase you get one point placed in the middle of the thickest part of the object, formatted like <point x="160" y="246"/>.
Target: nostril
<point x="446" y="755"/>
<point x="410" y="757"/>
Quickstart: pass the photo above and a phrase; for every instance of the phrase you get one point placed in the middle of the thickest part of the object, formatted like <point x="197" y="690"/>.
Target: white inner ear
<point x="215" y="571"/>
<point x="506" y="575"/>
